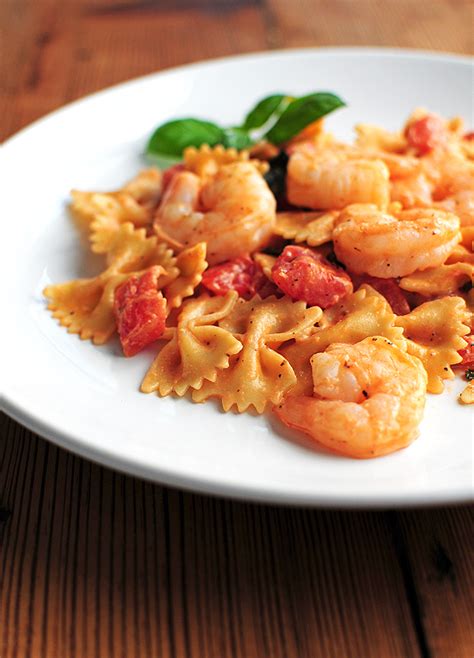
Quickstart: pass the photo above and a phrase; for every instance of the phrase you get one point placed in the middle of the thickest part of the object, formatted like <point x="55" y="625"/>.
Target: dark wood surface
<point x="98" y="564"/>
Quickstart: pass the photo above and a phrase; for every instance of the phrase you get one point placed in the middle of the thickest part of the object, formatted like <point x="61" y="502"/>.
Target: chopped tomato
<point x="170" y="173"/>
<point x="140" y="311"/>
<point x="469" y="136"/>
<point x="241" y="274"/>
<point x="467" y="354"/>
<point x="392" y="292"/>
<point x="425" y="133"/>
<point x="303" y="274"/>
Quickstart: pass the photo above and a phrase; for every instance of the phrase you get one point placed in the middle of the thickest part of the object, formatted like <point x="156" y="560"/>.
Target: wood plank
<point x="440" y="557"/>
<point x="79" y="51"/>
<point x="35" y="65"/>
<point x="429" y="24"/>
<point x="99" y="564"/>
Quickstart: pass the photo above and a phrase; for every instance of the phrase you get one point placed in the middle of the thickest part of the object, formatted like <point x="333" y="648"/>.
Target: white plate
<point x="86" y="398"/>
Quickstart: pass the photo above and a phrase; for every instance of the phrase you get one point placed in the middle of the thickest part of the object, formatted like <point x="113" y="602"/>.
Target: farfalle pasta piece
<point x="371" y="137"/>
<point x="437" y="281"/>
<point x="460" y="254"/>
<point x="197" y="350"/>
<point x="103" y="231"/>
<point x="314" y="228"/>
<point x="103" y="212"/>
<point x="118" y="206"/>
<point x="467" y="396"/>
<point x="132" y="250"/>
<point x="359" y="315"/>
<point x="191" y="263"/>
<point x="266" y="262"/>
<point x="259" y="374"/>
<point x="434" y="333"/>
<point x="146" y="187"/>
<point x="291" y="319"/>
<point x="85" y="306"/>
<point x="206" y="160"/>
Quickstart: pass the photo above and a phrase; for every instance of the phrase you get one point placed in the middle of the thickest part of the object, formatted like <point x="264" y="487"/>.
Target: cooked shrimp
<point x="368" y="399"/>
<point x="383" y="245"/>
<point x="332" y="180"/>
<point x="234" y="212"/>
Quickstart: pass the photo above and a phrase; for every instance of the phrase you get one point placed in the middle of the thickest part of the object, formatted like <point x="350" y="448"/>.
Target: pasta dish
<point x="325" y="282"/>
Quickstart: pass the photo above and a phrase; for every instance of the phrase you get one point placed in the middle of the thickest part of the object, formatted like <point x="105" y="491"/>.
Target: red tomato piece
<point x="140" y="311"/>
<point x="303" y="274"/>
<point x="241" y="274"/>
<point x="425" y="133"/>
<point x="467" y="354"/>
<point x="170" y="173"/>
<point x="392" y="292"/>
<point x="469" y="136"/>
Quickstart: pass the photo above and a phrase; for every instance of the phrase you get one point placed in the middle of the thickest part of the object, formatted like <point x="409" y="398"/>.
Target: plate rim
<point x="74" y="444"/>
<point x="201" y="486"/>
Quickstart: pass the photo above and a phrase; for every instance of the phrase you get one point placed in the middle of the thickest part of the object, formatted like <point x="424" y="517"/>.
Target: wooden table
<point x="97" y="564"/>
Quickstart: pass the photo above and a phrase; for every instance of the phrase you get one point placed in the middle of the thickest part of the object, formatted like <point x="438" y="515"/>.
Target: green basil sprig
<point x="237" y="138"/>
<point x="276" y="118"/>
<point x="300" y="113"/>
<point x="264" y="110"/>
<point x="171" y="138"/>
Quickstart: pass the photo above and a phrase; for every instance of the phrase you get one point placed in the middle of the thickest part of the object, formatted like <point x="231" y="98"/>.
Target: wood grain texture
<point x="440" y="560"/>
<point x="100" y="564"/>
<point x="97" y="564"/>
<point x="428" y="24"/>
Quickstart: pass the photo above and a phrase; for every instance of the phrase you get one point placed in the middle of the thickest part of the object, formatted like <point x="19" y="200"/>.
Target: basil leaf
<point x="236" y="138"/>
<point x="173" y="137"/>
<point x="262" y="112"/>
<point x="300" y="113"/>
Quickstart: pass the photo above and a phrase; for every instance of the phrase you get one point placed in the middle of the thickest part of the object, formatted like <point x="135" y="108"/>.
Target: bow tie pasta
<point x="259" y="373"/>
<point x="435" y="334"/>
<point x="197" y="350"/>
<point x="313" y="228"/>
<point x="101" y="213"/>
